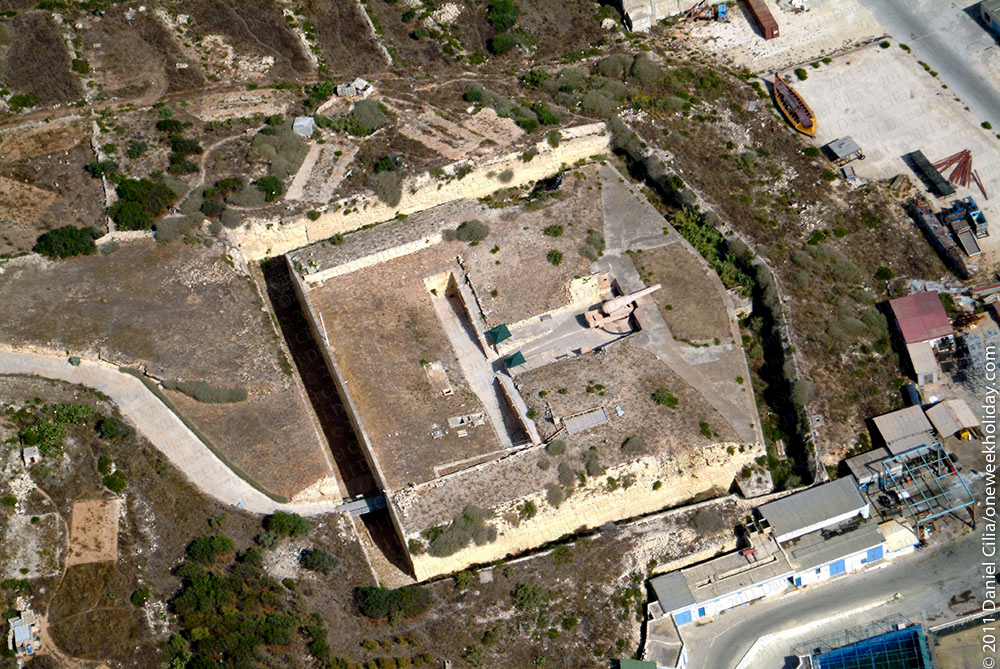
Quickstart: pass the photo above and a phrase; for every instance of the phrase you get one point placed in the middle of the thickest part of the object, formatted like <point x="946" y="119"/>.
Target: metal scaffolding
<point x="925" y="480"/>
<point x="889" y="643"/>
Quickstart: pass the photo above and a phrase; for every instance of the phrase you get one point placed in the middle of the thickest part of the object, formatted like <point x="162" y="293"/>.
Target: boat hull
<point x="794" y="108"/>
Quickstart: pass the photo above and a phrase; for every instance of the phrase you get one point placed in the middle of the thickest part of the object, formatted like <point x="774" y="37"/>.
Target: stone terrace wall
<point x="589" y="506"/>
<point x="263" y="238"/>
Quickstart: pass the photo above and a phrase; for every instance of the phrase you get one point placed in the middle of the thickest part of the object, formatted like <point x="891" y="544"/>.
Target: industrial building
<point x="926" y="329"/>
<point x="796" y="541"/>
<point x="989" y="13"/>
<point x="640" y="15"/>
<point x="904" y="429"/>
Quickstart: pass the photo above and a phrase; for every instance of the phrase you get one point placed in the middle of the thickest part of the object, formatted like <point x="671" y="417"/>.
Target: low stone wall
<point x="589" y="506"/>
<point x="374" y="259"/>
<point x="264" y="238"/>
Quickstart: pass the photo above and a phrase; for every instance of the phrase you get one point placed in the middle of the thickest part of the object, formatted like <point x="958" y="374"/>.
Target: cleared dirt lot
<point x="828" y="26"/>
<point x="93" y="533"/>
<point x="885" y="100"/>
<point x="181" y="312"/>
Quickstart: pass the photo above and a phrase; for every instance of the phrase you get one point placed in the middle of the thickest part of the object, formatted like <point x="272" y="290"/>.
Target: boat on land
<point x="794" y="107"/>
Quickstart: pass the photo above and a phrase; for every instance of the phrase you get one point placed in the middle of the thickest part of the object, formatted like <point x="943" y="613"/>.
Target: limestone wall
<point x="374" y="259"/>
<point x="590" y="505"/>
<point x="262" y="238"/>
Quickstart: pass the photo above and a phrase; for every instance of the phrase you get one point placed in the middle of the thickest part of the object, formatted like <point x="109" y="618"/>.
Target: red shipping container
<point x="761" y="14"/>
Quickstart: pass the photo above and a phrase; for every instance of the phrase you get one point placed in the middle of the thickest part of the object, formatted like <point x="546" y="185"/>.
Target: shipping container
<point x="762" y="15"/>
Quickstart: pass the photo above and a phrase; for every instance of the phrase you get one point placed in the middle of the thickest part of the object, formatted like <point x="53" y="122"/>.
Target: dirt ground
<point x="826" y="27"/>
<point x="93" y="533"/>
<point x="688" y="301"/>
<point x="345" y="40"/>
<point x="885" y="100"/>
<point x="636" y="375"/>
<point x="526" y="283"/>
<point x="186" y="315"/>
<point x="381" y="342"/>
<point x="35" y="61"/>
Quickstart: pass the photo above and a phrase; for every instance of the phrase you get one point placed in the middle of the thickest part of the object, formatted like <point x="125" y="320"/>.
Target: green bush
<point x="634" y="445"/>
<point x="469" y="527"/>
<point x="474" y="94"/>
<point x="502" y="14"/>
<point x="381" y="603"/>
<point x="212" y="208"/>
<point x="140" y="202"/>
<point x="46" y="435"/>
<point x="534" y="78"/>
<point x="986" y="125"/>
<point x="116" y="482"/>
<point x="527" y="510"/>
<point x="592" y="462"/>
<point x="599" y="103"/>
<point x="555" y="257"/>
<point x="136" y="149"/>
<point x="139" y="597"/>
<point x="554" y="495"/>
<point x="205" y="392"/>
<point x="386" y="164"/>
<point x="464" y="578"/>
<point x="286" y="524"/>
<point x="884" y="44"/>
<point x="8" y="500"/>
<point x="317" y="559"/>
<point x="812" y="152"/>
<point x="553" y="230"/>
<point x="545" y="115"/>
<point x="387" y="186"/>
<point x="170" y="125"/>
<point x="103" y="465"/>
<point x="472" y="230"/>
<point x="555" y="448"/>
<point x="98" y="169"/>
<point x="528" y="597"/>
<point x="20" y="102"/>
<point x="801" y="74"/>
<point x="664" y="397"/>
<point x="66" y="242"/>
<point x="615" y="66"/>
<point x="270" y="186"/>
<point x="567" y="478"/>
<point x="501" y="44"/>
<point x="528" y="125"/>
<point x="884" y="273"/>
<point x="705" y="429"/>
<point x="207" y="550"/>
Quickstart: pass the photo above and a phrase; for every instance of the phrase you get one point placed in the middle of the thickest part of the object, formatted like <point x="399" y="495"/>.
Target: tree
<point x="139" y="597"/>
<point x="472" y="231"/>
<point x="66" y="242"/>
<point x="317" y="559"/>
<point x="502" y="15"/>
<point x="270" y="186"/>
<point x="501" y="44"/>
<point x="112" y="428"/>
<point x="206" y="550"/>
<point x="664" y="397"/>
<point x="116" y="482"/>
<point x="286" y="524"/>
<point x="382" y="603"/>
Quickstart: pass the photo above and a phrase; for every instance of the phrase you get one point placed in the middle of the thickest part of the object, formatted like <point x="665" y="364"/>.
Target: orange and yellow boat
<point x="794" y="107"/>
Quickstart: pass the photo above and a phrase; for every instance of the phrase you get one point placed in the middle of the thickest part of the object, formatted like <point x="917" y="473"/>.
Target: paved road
<point x="927" y="580"/>
<point x="160" y="426"/>
<point x="949" y="40"/>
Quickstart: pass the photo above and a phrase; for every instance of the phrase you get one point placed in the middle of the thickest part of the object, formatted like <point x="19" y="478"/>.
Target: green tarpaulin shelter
<point x="514" y="360"/>
<point x="498" y="334"/>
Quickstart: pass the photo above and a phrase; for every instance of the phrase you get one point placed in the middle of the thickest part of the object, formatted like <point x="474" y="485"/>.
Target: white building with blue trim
<point x="799" y="540"/>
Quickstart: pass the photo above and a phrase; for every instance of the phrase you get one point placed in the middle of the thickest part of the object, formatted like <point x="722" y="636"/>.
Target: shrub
<point x="474" y="94"/>
<point x="22" y="101"/>
<point x="286" y="524"/>
<point x="415" y="546"/>
<point x="501" y="44"/>
<point x="553" y="231"/>
<point x="9" y="500"/>
<point x="705" y="429"/>
<point x="140" y="202"/>
<point x="555" y="257"/>
<point x="904" y="47"/>
<point x="472" y="231"/>
<point x="634" y="445"/>
<point x="317" y="559"/>
<point x="139" y="597"/>
<point x="116" y="482"/>
<point x="986" y="125"/>
<point x="801" y="74"/>
<point x="170" y="125"/>
<point x="615" y="66"/>
<point x="368" y="116"/>
<point x="46" y="435"/>
<point x="554" y="495"/>
<point x="470" y="526"/>
<point x="812" y="152"/>
<point x="527" y="510"/>
<point x="502" y="14"/>
<point x="387" y="187"/>
<point x="644" y="71"/>
<point x="381" y="603"/>
<point x="66" y="242"/>
<point x="545" y="115"/>
<point x="100" y="169"/>
<point x="463" y="579"/>
<point x="207" y="550"/>
<point x="528" y="597"/>
<point x="267" y="539"/>
<point x="884" y="44"/>
<point x="212" y="208"/>
<point x="884" y="273"/>
<point x="555" y="448"/>
<point x="185" y="145"/>
<point x="113" y="428"/>
<point x="136" y="149"/>
<point x="664" y="397"/>
<point x="592" y="462"/>
<point x="566" y="476"/>
<point x="553" y="137"/>
<point x="270" y="186"/>
<point x="534" y="78"/>
<point x="386" y="164"/>
<point x="103" y="465"/>
<point x="528" y="125"/>
<point x="206" y="392"/>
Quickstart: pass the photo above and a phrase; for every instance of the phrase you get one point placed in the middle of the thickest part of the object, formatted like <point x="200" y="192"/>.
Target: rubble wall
<point x="262" y="238"/>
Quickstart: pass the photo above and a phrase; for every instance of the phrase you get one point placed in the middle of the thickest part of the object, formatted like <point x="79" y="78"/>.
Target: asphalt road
<point x="944" y="36"/>
<point x="927" y="579"/>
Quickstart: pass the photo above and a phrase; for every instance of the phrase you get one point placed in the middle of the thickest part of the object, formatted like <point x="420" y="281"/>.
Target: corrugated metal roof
<point x="921" y="317"/>
<point x="992" y="6"/>
<point x="865" y="466"/>
<point x="951" y="416"/>
<point x="819" y="548"/>
<point x="922" y="358"/>
<point x="672" y="591"/>
<point x="812" y="506"/>
<point x="843" y="147"/>
<point x="904" y="429"/>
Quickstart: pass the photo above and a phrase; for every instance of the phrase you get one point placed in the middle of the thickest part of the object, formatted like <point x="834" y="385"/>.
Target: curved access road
<point x="161" y="426"/>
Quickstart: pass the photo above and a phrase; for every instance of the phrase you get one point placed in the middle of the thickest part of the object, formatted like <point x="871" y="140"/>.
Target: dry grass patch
<point x="93" y="535"/>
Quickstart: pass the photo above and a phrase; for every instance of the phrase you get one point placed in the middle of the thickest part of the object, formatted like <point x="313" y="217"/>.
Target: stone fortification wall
<point x="589" y="505"/>
<point x="262" y="237"/>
